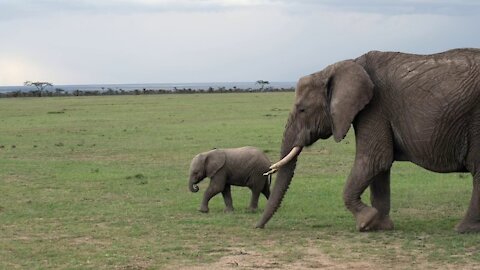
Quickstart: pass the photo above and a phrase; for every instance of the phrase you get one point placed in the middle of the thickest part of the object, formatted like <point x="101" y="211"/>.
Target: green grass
<point x="101" y="183"/>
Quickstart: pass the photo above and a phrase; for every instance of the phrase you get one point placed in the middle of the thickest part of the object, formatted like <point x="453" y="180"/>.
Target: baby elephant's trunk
<point x="192" y="185"/>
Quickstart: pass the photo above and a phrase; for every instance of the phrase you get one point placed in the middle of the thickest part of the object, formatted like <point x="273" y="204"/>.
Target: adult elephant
<point x="419" y="108"/>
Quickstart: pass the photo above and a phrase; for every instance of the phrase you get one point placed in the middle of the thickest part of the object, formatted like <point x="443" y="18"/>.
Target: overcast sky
<point x="174" y="41"/>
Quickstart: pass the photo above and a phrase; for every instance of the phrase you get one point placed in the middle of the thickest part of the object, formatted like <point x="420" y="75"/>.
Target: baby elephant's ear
<point x="214" y="162"/>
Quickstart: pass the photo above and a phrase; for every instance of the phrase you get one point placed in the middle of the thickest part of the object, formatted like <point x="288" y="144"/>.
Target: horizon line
<point x="153" y="83"/>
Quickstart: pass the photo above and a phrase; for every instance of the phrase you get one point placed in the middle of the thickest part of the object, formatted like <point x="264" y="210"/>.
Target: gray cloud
<point x="10" y="9"/>
<point x="108" y="41"/>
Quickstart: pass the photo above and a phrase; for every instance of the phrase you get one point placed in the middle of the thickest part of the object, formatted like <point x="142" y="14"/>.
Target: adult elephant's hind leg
<point x="380" y="199"/>
<point x="471" y="221"/>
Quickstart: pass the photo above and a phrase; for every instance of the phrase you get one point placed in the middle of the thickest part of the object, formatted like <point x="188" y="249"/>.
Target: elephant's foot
<point x="369" y="219"/>
<point x="467" y="226"/>
<point x="366" y="218"/>
<point x="203" y="209"/>
<point x="252" y="209"/>
<point x="228" y="209"/>
<point x="383" y="224"/>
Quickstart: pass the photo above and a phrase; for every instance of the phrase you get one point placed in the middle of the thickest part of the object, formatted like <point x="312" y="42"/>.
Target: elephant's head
<point x="326" y="103"/>
<point x="203" y="165"/>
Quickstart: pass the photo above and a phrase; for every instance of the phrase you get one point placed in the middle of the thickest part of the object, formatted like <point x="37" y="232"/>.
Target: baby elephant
<point x="237" y="166"/>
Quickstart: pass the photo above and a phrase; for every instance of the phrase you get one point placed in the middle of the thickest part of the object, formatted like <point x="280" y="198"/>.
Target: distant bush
<point x="109" y="92"/>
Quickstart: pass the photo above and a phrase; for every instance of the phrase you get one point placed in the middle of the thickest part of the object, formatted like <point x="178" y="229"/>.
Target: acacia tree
<point x="39" y="85"/>
<point x="262" y="83"/>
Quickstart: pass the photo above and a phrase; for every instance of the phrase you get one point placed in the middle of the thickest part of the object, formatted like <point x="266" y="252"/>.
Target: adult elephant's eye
<point x="300" y="107"/>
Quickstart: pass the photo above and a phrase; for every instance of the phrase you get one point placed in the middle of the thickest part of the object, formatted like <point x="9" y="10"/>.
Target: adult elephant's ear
<point x="350" y="90"/>
<point x="214" y="161"/>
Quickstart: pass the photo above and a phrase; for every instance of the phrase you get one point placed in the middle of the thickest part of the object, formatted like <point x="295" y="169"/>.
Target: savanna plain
<point x="101" y="183"/>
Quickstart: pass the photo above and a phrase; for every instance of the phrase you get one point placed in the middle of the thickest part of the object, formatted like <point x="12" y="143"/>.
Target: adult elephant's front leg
<point x="373" y="160"/>
<point x="363" y="174"/>
<point x="380" y="199"/>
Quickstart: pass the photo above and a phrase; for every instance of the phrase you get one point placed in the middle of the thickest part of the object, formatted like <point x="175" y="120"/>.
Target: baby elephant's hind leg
<point x="266" y="188"/>
<point x="254" y="200"/>
<point x="260" y="186"/>
<point x="227" y="197"/>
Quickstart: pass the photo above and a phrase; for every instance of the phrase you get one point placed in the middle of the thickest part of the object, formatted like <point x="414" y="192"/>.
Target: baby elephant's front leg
<point x="213" y="189"/>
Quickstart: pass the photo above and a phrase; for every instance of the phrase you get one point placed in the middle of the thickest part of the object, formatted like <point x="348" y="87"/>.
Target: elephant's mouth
<point x="293" y="153"/>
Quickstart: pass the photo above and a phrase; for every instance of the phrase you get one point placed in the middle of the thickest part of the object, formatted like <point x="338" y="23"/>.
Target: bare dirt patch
<point x="312" y="258"/>
<point x="137" y="263"/>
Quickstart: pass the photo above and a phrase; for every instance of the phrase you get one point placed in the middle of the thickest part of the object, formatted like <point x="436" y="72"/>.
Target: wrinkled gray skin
<point x="419" y="108"/>
<point x="237" y="166"/>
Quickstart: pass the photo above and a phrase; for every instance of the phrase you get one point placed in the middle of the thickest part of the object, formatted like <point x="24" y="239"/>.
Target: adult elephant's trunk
<point x="192" y="185"/>
<point x="286" y="167"/>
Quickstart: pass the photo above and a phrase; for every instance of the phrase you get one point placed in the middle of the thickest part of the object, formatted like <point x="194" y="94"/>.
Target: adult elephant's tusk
<point x="293" y="153"/>
<point x="272" y="171"/>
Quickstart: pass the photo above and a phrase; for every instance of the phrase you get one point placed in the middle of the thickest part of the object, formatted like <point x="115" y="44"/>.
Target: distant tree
<point x="59" y="91"/>
<point x="262" y="83"/>
<point x="39" y="85"/>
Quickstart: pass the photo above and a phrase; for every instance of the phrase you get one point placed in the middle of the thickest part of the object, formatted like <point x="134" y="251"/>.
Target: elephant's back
<point x="250" y="156"/>
<point x="439" y="79"/>
<point x="426" y="99"/>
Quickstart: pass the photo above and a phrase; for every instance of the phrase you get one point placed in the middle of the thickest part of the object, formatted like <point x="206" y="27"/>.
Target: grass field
<point x="101" y="183"/>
